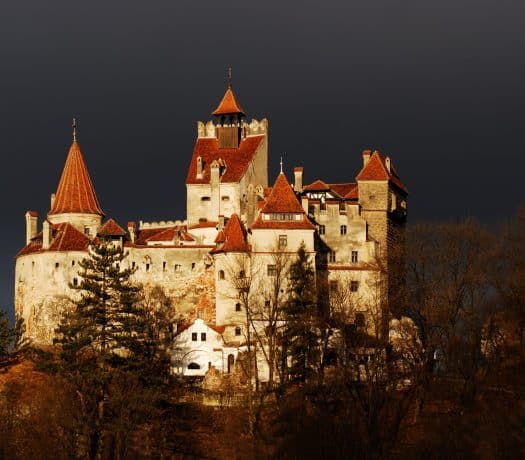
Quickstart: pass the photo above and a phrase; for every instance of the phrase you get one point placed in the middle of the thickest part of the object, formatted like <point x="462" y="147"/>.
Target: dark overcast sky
<point x="438" y="85"/>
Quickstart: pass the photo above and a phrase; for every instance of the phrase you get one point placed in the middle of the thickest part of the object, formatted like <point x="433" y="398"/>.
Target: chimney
<point x="298" y="175"/>
<point x="46" y="234"/>
<point x="366" y="157"/>
<point x="52" y="200"/>
<point x="387" y="164"/>
<point x="215" y="172"/>
<point x="31" y="225"/>
<point x="304" y="204"/>
<point x="220" y="225"/>
<point x="132" y="231"/>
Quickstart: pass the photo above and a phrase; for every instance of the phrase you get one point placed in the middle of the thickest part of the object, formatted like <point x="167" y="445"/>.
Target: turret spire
<point x="74" y="126"/>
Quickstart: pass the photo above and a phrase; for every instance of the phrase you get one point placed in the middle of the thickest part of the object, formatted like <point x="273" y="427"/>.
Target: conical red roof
<point x="228" y="105"/>
<point x="282" y="198"/>
<point x="75" y="192"/>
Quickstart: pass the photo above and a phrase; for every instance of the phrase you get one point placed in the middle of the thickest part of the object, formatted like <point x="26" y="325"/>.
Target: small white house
<point x="199" y="346"/>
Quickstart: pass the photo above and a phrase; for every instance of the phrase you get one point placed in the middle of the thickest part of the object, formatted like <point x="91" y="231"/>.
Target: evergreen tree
<point x="301" y="335"/>
<point x="5" y="334"/>
<point x="109" y="354"/>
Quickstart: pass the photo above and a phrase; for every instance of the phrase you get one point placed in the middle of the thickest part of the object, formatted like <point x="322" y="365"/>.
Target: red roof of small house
<point x="234" y="237"/>
<point x="236" y="160"/>
<point x="111" y="228"/>
<point x="229" y="104"/>
<point x="32" y="213"/>
<point x="64" y="237"/>
<point x="282" y="198"/>
<point x="376" y="169"/>
<point x="75" y="192"/>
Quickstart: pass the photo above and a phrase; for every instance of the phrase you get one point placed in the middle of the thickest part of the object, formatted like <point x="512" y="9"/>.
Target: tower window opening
<point x="283" y="241"/>
<point x="72" y="263"/>
<point x="193" y="265"/>
<point x="237" y="330"/>
<point x="75" y="281"/>
<point x="163" y="266"/>
<point x="193" y="336"/>
<point x="176" y="267"/>
<point x="225" y="198"/>
<point x="237" y="306"/>
<point x="355" y="256"/>
<point x="331" y="256"/>
<point x="133" y="265"/>
<point x="322" y="229"/>
<point x="205" y="198"/>
<point x="354" y="286"/>
<point x="221" y="274"/>
<point x="203" y="336"/>
<point x="57" y="264"/>
<point x="342" y="229"/>
<point x="147" y="267"/>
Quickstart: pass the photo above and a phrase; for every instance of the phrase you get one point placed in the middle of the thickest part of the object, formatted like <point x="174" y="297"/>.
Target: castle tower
<point x="229" y="156"/>
<point x="75" y="201"/>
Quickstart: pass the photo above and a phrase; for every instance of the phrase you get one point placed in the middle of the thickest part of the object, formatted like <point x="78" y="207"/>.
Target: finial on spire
<point x="230" y="77"/>
<point x="281" y="165"/>
<point x="74" y="129"/>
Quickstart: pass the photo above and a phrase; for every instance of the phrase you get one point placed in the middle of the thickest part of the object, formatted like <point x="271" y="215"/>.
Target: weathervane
<point x="74" y="129"/>
<point x="230" y="77"/>
<point x="281" y="165"/>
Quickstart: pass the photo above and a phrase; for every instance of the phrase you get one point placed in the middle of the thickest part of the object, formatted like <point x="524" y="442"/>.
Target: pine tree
<point x="109" y="354"/>
<point x="301" y="333"/>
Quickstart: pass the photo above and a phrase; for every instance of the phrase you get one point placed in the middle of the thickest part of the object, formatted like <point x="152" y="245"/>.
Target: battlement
<point x="162" y="224"/>
<point x="254" y="128"/>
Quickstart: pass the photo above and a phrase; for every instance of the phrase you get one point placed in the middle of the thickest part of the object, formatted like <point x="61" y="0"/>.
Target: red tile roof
<point x="64" y="237"/>
<point x="376" y="169"/>
<point x="32" y="213"/>
<point x="111" y="228"/>
<point x="233" y="237"/>
<point x="163" y="234"/>
<point x="236" y="160"/>
<point x="353" y="194"/>
<point x="75" y="192"/>
<point x="316" y="186"/>
<point x="342" y="189"/>
<point x="229" y="104"/>
<point x="207" y="224"/>
<point x="282" y="198"/>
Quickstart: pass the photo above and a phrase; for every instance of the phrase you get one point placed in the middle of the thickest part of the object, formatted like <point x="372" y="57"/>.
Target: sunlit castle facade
<point x="237" y="226"/>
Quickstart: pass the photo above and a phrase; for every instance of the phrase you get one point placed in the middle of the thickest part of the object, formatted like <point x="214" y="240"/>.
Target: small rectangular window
<point x="205" y="198"/>
<point x="163" y="266"/>
<point x="333" y="286"/>
<point x="203" y="336"/>
<point x="192" y="265"/>
<point x="272" y="270"/>
<point x="147" y="267"/>
<point x="237" y="330"/>
<point x="57" y="264"/>
<point x="194" y="336"/>
<point x="355" y="256"/>
<point x="342" y="230"/>
<point x="176" y="267"/>
<point x="354" y="286"/>
<point x="133" y="265"/>
<point x="266" y="303"/>
<point x="237" y="307"/>
<point x="283" y="241"/>
<point x="75" y="281"/>
<point x="322" y="229"/>
<point x="225" y="198"/>
<point x="72" y="263"/>
<point x="331" y="256"/>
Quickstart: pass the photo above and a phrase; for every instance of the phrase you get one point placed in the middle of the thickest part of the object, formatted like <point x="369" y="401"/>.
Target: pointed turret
<point x="75" y="200"/>
<point x="230" y="115"/>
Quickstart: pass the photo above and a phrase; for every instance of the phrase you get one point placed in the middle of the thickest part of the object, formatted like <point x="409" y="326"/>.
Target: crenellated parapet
<point x="162" y="224"/>
<point x="208" y="130"/>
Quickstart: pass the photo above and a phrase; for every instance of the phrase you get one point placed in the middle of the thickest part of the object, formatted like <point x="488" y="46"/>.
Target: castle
<point x="236" y="223"/>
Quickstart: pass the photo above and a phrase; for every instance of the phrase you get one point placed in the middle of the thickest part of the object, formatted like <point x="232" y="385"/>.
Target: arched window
<point x="193" y="366"/>
<point x="221" y="274"/>
<point x="231" y="360"/>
